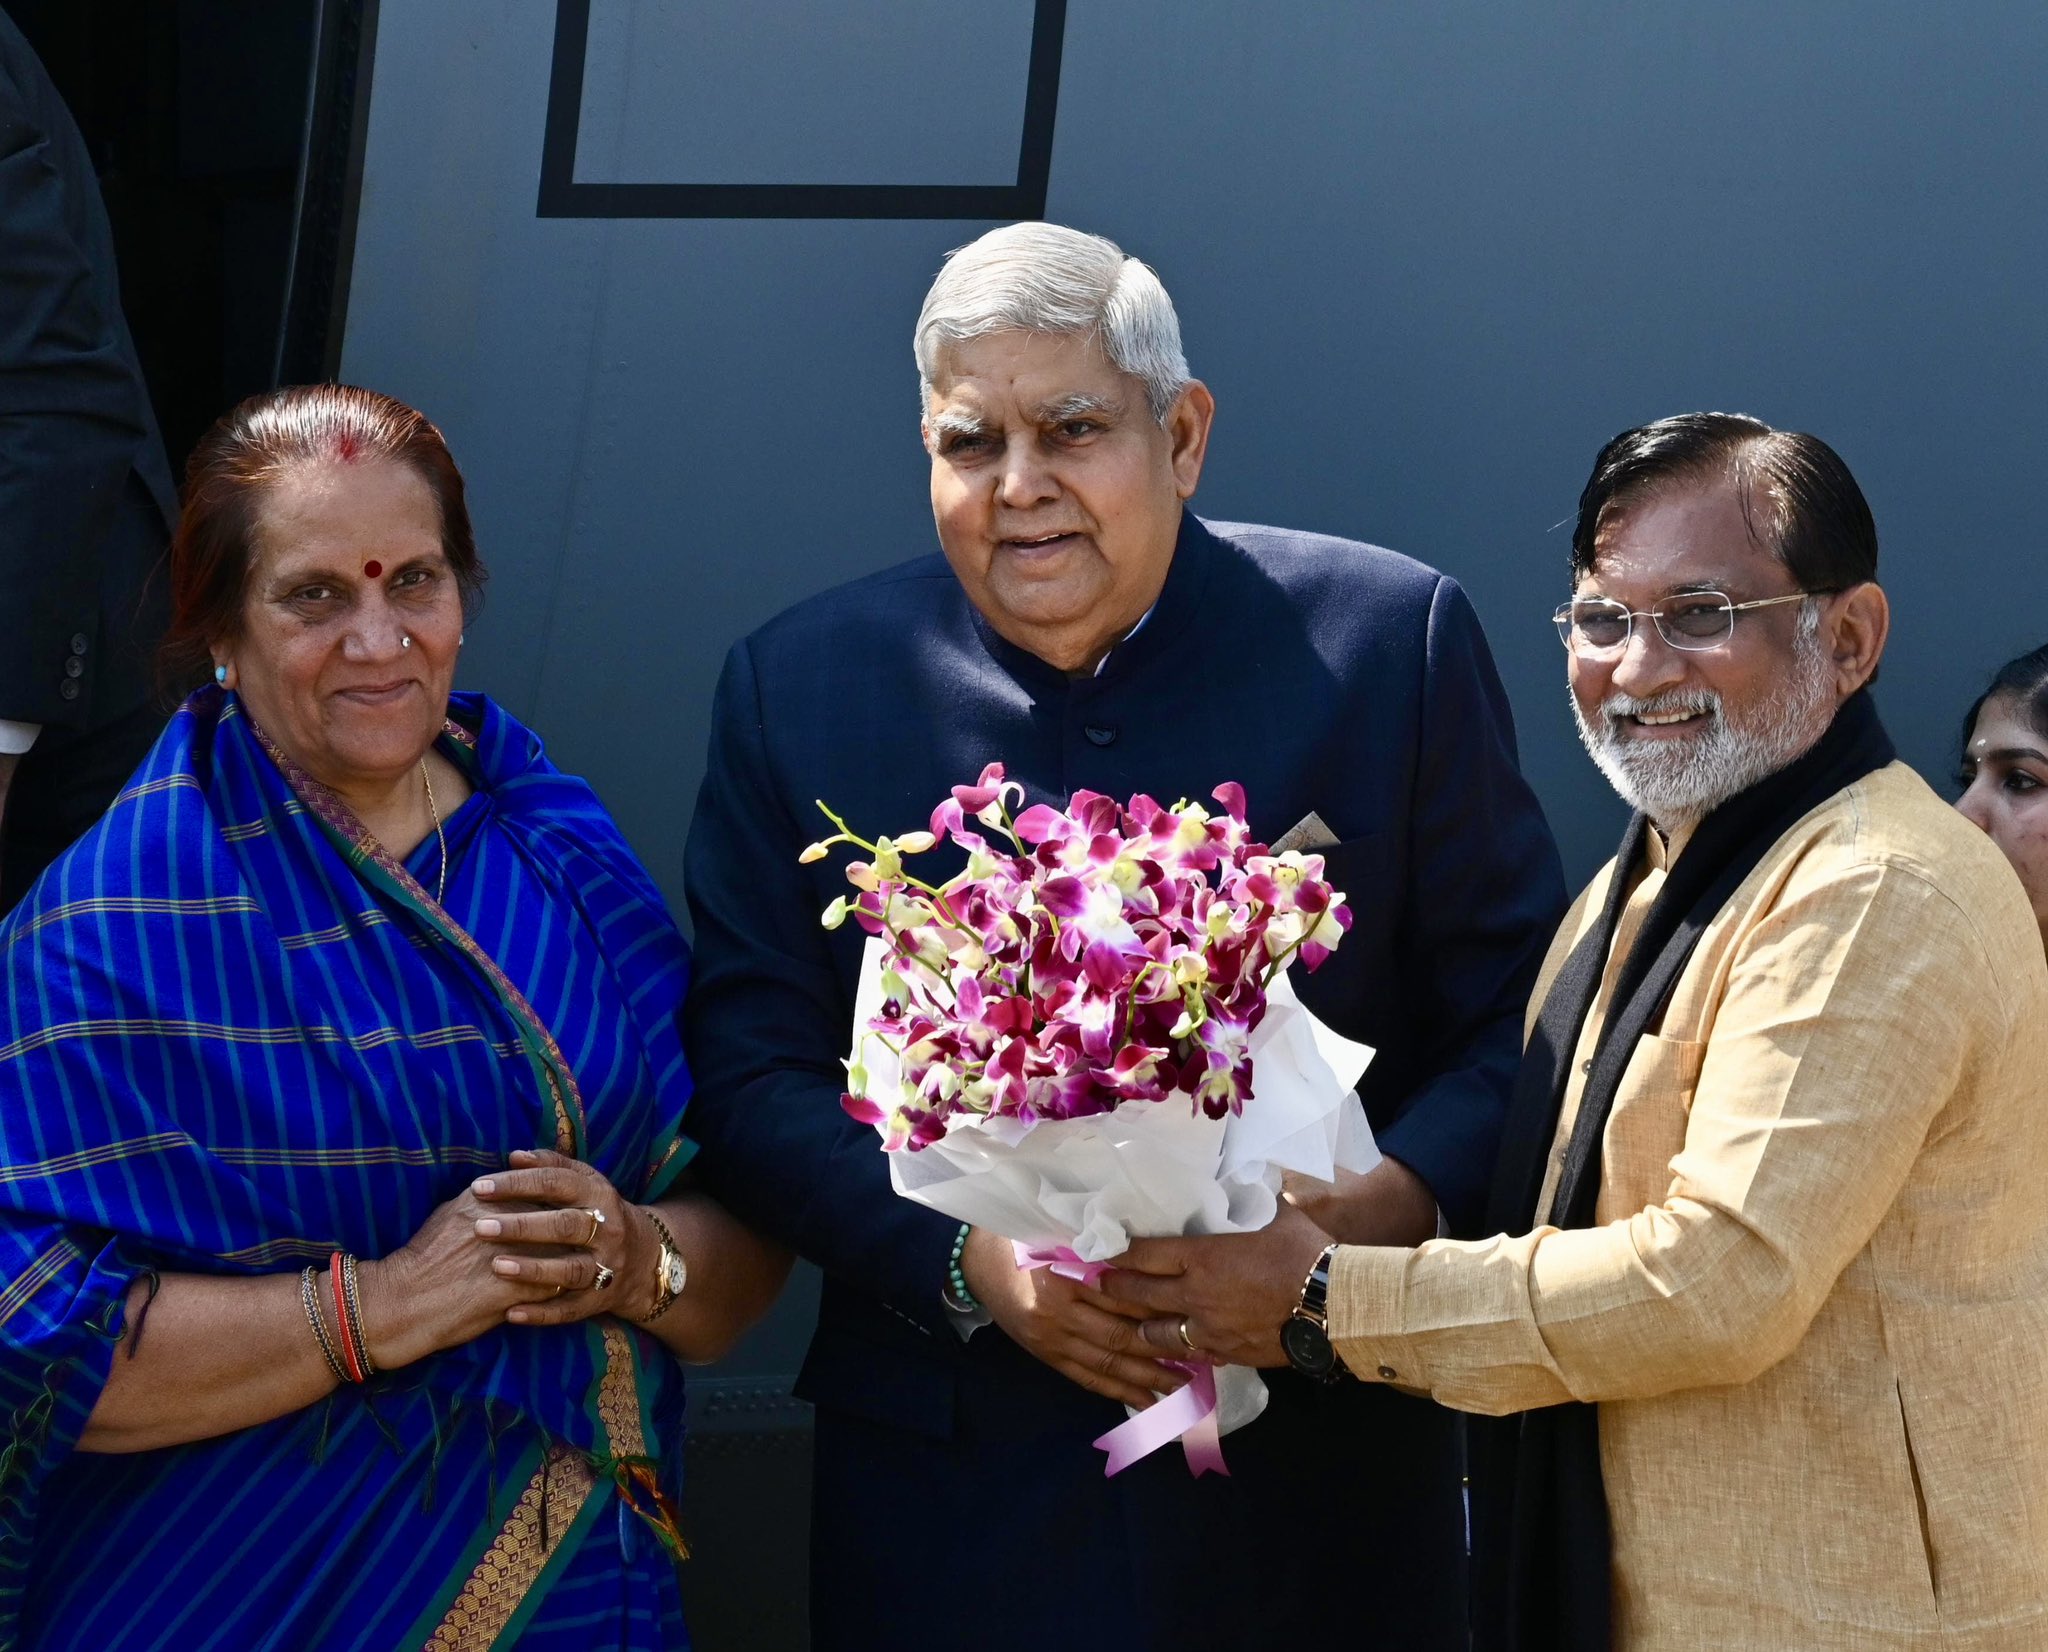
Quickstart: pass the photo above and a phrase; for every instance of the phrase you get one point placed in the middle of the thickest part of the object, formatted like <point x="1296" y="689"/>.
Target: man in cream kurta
<point x="1814" y="1312"/>
<point x="1812" y="1301"/>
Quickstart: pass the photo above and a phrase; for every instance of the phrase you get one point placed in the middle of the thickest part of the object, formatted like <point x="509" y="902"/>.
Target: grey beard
<point x="1679" y="783"/>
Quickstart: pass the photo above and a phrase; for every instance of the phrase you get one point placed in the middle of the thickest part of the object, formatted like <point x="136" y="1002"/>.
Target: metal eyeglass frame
<point x="1562" y="619"/>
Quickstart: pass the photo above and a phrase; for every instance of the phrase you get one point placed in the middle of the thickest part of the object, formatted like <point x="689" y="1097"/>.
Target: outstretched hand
<point x="1225" y="1296"/>
<point x="1077" y="1330"/>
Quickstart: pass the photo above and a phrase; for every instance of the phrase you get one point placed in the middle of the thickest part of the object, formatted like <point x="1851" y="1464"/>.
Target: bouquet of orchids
<point x="1107" y="955"/>
<point x="1088" y="1034"/>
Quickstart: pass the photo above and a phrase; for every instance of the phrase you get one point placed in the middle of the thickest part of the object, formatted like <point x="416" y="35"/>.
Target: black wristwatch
<point x="1306" y="1334"/>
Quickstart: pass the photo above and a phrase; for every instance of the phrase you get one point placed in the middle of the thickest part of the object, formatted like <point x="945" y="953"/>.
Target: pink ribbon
<point x="1061" y="1260"/>
<point x="1187" y="1415"/>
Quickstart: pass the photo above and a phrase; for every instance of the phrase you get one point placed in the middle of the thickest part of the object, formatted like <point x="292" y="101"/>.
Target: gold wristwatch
<point x="671" y="1273"/>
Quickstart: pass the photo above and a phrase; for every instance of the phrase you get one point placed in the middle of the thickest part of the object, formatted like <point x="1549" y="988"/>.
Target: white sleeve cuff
<point x="965" y="1325"/>
<point x="16" y="738"/>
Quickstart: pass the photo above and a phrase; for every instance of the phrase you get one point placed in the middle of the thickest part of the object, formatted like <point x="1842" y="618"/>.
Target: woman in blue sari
<point x="344" y="1273"/>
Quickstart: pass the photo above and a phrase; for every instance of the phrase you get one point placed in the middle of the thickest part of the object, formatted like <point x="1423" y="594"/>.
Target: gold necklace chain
<point x="441" y="887"/>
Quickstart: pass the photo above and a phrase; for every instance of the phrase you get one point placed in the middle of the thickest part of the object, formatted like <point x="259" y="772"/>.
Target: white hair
<point x="1046" y="278"/>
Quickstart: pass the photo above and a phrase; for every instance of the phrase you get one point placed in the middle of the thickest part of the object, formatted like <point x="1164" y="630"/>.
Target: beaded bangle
<point x="309" y="1298"/>
<point x="342" y="1328"/>
<point x="958" y="1295"/>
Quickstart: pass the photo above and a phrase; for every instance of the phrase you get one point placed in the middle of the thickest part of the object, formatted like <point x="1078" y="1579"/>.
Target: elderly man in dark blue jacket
<point x="1087" y="631"/>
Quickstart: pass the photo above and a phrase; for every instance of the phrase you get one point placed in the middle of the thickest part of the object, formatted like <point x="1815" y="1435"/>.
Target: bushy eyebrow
<point x="1078" y="405"/>
<point x="953" y="422"/>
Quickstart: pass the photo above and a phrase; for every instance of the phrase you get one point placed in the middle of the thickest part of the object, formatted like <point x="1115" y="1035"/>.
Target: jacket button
<point x="74" y="667"/>
<point x="1100" y="734"/>
<point x="1388" y="1373"/>
<point x="68" y="688"/>
<point x="78" y="644"/>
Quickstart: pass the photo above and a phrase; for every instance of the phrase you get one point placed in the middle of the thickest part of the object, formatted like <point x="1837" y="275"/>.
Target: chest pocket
<point x="1358" y="867"/>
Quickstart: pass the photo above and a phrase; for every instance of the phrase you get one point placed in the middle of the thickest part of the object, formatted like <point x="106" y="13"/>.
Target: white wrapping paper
<point x="1150" y="1169"/>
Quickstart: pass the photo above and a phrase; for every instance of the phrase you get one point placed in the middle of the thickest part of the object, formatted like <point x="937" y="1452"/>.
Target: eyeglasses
<point x="1692" y="621"/>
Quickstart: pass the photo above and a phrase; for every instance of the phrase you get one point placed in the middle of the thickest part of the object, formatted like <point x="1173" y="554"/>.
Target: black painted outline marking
<point x="562" y="197"/>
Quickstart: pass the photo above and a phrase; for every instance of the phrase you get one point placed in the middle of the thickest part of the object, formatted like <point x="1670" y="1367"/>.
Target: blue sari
<point x="238" y="1036"/>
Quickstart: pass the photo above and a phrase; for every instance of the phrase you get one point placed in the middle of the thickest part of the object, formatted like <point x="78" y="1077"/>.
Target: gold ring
<point x="605" y="1276"/>
<point x="596" y="1221"/>
<point x="1187" y="1341"/>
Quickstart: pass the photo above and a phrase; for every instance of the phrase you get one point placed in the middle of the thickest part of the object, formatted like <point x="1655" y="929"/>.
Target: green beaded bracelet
<point x="958" y="1296"/>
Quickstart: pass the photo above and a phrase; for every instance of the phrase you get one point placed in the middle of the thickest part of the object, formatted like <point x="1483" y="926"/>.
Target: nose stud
<point x="405" y="639"/>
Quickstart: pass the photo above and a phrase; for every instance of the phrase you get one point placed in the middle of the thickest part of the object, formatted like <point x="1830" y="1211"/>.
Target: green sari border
<point x="627" y="1434"/>
<point x="433" y="1623"/>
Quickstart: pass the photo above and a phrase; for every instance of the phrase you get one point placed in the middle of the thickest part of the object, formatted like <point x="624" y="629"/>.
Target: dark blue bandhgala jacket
<point x="1323" y="675"/>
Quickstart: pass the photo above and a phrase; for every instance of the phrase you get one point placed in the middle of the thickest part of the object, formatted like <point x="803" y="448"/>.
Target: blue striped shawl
<point x="235" y="1040"/>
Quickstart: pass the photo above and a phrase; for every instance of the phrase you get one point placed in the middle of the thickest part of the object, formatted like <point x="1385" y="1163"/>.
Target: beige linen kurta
<point x="1814" y="1312"/>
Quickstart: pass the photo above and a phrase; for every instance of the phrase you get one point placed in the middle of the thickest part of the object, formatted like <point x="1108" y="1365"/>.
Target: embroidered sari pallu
<point x="238" y="1036"/>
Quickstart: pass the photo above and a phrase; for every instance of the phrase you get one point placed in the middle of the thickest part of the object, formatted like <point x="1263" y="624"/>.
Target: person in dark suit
<point x="86" y="498"/>
<point x="1087" y="631"/>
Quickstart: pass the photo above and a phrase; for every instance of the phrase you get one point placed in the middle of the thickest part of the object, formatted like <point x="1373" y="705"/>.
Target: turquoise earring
<point x="220" y="675"/>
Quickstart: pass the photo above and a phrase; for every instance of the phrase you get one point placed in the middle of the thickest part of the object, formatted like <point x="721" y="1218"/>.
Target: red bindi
<point x="372" y="569"/>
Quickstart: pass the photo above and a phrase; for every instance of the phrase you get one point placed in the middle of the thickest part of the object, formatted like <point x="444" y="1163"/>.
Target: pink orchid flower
<point x="1112" y="953"/>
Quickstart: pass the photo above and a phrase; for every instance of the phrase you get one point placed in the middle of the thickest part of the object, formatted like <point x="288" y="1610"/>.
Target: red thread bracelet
<point x="348" y="1341"/>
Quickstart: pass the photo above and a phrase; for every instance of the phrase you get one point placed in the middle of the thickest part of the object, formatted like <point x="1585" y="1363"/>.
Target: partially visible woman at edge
<point x="2005" y="771"/>
<point x="346" y="1274"/>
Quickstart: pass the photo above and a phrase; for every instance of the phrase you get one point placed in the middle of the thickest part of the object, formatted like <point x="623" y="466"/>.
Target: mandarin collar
<point x="1195" y="553"/>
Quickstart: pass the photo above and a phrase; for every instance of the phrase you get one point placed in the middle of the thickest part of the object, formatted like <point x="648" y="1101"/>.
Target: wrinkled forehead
<point x="1025" y="374"/>
<point x="315" y="510"/>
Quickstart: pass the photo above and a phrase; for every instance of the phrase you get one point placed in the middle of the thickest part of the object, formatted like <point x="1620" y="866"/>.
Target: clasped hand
<point x="1086" y="1336"/>
<point x="581" y="1238"/>
<point x="527" y="1245"/>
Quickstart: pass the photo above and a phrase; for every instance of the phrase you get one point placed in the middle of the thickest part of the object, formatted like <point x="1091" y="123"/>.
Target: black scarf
<point x="1540" y="1537"/>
